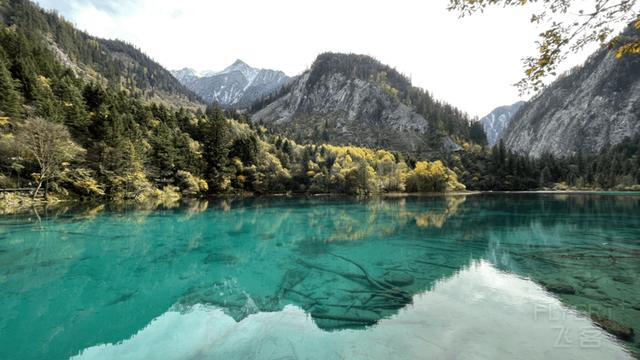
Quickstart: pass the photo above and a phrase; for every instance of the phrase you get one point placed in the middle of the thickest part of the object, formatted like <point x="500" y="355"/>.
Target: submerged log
<point x="559" y="288"/>
<point x="613" y="327"/>
<point x="346" y="318"/>
<point x="436" y="264"/>
<point x="349" y="276"/>
<point x="382" y="285"/>
<point x="290" y="280"/>
<point x="389" y="296"/>
<point x="398" y="278"/>
<point x="377" y="289"/>
<point x="370" y="279"/>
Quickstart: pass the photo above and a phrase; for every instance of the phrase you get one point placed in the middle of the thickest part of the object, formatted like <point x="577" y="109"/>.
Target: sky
<point x="471" y="62"/>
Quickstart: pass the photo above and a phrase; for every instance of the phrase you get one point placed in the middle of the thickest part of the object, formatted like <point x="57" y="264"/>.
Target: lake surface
<point x="490" y="276"/>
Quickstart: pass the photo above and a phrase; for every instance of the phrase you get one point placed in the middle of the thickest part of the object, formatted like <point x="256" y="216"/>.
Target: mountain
<point x="584" y="111"/>
<point x="112" y="62"/>
<point x="185" y="75"/>
<point x="498" y="120"/>
<point x="238" y="86"/>
<point x="354" y="99"/>
<point x="110" y="142"/>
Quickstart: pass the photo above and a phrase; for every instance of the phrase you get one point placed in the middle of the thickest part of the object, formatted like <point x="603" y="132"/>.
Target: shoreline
<point x="11" y="204"/>
<point x="573" y="192"/>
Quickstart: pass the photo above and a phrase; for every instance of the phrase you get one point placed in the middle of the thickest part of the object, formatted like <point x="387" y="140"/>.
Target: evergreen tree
<point x="70" y="100"/>
<point x="10" y="98"/>
<point x="477" y="134"/>
<point x="214" y="138"/>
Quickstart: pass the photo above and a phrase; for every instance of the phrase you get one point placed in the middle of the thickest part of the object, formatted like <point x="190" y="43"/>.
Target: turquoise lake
<point x="487" y="276"/>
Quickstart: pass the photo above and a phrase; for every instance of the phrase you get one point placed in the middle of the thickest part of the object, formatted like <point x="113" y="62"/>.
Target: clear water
<point x="451" y="277"/>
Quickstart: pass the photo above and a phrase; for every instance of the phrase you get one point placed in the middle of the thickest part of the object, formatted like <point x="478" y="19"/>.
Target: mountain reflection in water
<point x="444" y="276"/>
<point x="479" y="313"/>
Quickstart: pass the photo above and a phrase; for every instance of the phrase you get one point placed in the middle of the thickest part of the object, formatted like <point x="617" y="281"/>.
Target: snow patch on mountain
<point x="239" y="85"/>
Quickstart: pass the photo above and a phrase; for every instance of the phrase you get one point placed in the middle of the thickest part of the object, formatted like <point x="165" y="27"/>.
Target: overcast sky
<point x="470" y="62"/>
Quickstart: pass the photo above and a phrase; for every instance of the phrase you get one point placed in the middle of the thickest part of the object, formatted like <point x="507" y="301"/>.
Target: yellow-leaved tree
<point x="432" y="177"/>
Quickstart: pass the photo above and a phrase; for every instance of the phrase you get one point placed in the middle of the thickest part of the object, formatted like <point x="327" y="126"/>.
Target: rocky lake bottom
<point x="482" y="276"/>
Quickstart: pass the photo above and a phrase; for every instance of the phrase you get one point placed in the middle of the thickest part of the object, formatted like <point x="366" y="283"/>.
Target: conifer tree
<point x="10" y="99"/>
<point x="214" y="139"/>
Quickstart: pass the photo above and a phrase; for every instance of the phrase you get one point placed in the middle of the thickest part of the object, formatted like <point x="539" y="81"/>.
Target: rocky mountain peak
<point x="355" y="99"/>
<point x="238" y="85"/>
<point x="356" y="66"/>
<point x="240" y="66"/>
<point x="184" y="74"/>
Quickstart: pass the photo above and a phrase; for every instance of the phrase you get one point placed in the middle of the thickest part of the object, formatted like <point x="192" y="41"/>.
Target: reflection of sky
<point x="479" y="313"/>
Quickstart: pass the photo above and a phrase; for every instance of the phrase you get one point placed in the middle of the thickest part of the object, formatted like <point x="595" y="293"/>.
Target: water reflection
<point x="464" y="316"/>
<point x="341" y="266"/>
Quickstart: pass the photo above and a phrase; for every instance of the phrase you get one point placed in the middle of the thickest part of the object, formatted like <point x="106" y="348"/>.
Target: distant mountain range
<point x="354" y="99"/>
<point x="237" y="86"/>
<point x="584" y="111"/>
<point x="498" y="120"/>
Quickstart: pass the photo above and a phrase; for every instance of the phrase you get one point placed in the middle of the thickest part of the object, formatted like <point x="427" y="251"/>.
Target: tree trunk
<point x="35" y="193"/>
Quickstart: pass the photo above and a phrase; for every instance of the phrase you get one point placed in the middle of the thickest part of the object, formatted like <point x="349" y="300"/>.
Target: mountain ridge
<point x="355" y="99"/>
<point x="115" y="62"/>
<point x="591" y="107"/>
<point x="238" y="85"/>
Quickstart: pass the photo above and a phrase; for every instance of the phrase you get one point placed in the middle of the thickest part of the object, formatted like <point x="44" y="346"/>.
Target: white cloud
<point x="470" y="62"/>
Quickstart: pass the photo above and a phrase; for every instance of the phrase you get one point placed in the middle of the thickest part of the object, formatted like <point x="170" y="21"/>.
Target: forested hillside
<point x="355" y="99"/>
<point x="111" y="62"/>
<point x="77" y="120"/>
<point x="75" y="135"/>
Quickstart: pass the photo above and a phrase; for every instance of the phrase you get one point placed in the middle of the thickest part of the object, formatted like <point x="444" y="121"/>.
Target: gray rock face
<point x="238" y="86"/>
<point x="185" y="75"/>
<point x="341" y="109"/>
<point x="593" y="106"/>
<point x="498" y="120"/>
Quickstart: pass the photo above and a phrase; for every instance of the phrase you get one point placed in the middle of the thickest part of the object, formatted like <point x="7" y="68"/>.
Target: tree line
<point x="616" y="167"/>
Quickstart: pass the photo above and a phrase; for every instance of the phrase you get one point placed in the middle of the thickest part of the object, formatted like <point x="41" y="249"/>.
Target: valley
<point x="339" y="198"/>
<point x="349" y="124"/>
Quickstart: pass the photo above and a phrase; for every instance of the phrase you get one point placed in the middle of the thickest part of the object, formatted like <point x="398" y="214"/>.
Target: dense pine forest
<point x="74" y="122"/>
<point x="615" y="168"/>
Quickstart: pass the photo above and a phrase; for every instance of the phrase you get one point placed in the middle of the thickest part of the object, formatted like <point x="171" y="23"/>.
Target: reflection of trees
<point x="385" y="216"/>
<point x="437" y="217"/>
<point x="260" y="254"/>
